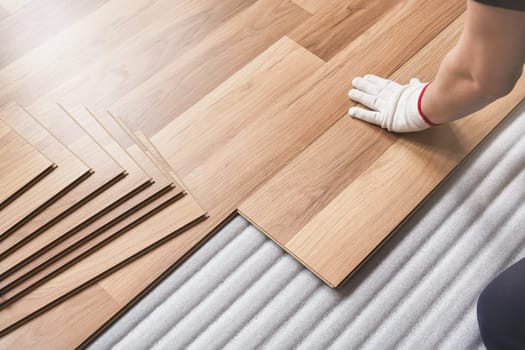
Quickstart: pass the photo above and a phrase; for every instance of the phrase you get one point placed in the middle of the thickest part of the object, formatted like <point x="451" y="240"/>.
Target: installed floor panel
<point x="356" y="184"/>
<point x="241" y="291"/>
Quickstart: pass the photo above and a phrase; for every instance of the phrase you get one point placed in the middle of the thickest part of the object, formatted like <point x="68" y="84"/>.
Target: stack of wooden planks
<point x="242" y="102"/>
<point x="82" y="195"/>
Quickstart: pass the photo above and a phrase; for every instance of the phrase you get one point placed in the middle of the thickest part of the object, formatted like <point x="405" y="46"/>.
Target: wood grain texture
<point x="136" y="207"/>
<point x="311" y="108"/>
<point x="348" y="212"/>
<point x="240" y="109"/>
<point x="22" y="165"/>
<point x="135" y="149"/>
<point x="135" y="180"/>
<point x="70" y="51"/>
<point x="59" y="259"/>
<point x="123" y="289"/>
<point x="42" y="20"/>
<point x="337" y="23"/>
<point x="284" y="204"/>
<point x="314" y="6"/>
<point x="203" y="67"/>
<point x="121" y="250"/>
<point x="71" y="171"/>
<point x="296" y="122"/>
<point x="89" y="311"/>
<point x="103" y="190"/>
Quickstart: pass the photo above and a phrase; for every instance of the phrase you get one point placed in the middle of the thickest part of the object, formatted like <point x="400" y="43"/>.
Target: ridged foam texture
<point x="419" y="291"/>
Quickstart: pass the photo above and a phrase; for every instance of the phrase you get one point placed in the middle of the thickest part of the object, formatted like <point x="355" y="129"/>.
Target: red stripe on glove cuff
<point x="423" y="116"/>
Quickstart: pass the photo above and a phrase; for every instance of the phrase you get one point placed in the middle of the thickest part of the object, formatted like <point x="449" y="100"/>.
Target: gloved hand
<point x="394" y="107"/>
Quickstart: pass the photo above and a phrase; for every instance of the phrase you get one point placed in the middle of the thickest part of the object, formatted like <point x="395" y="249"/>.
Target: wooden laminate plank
<point x="254" y="93"/>
<point x="181" y="25"/>
<point x="22" y="165"/>
<point x="87" y="311"/>
<point x="50" y="64"/>
<point x="122" y="289"/>
<point x="29" y="26"/>
<point x="133" y="208"/>
<point x="346" y="221"/>
<point x="338" y="23"/>
<point x="358" y="235"/>
<point x="314" y="6"/>
<point x="214" y="167"/>
<point x="102" y="192"/>
<point x="135" y="149"/>
<point x="71" y="171"/>
<point x="189" y="77"/>
<point x="176" y="216"/>
<point x="282" y="206"/>
<point x="81" y="66"/>
<point x="59" y="259"/>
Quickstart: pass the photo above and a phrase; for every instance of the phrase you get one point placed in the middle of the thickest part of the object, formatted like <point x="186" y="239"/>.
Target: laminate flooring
<point x="108" y="187"/>
<point x="246" y="102"/>
<point x="22" y="165"/>
<point x="142" y="189"/>
<point x="70" y="173"/>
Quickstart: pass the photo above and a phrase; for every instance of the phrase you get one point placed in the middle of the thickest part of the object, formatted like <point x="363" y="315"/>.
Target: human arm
<point x="483" y="66"/>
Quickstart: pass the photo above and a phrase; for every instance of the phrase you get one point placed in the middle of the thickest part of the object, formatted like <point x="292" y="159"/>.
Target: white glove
<point x="394" y="107"/>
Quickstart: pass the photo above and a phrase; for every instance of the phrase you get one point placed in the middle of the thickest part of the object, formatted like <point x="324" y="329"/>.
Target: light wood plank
<point x="92" y="198"/>
<point x="237" y="108"/>
<point x="214" y="167"/>
<point x="353" y="216"/>
<point x="22" y="165"/>
<point x="71" y="171"/>
<point x="50" y="64"/>
<point x="314" y="6"/>
<point x="338" y="23"/>
<point x="78" y="66"/>
<point x="88" y="311"/>
<point x="360" y="234"/>
<point x="74" y="249"/>
<point x="125" y="248"/>
<point x="284" y="204"/>
<point x="31" y="24"/>
<point x="191" y="76"/>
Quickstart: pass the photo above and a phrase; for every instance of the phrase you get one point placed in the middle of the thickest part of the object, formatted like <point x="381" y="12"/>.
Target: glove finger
<point x="366" y="86"/>
<point x="385" y="83"/>
<point x="365" y="115"/>
<point x="363" y="98"/>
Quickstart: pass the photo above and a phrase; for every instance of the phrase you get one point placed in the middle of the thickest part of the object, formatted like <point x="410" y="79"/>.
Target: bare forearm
<point x="454" y="93"/>
<point x="484" y="65"/>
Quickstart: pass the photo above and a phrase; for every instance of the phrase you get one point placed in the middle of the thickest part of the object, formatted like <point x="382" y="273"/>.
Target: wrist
<point x="422" y="114"/>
